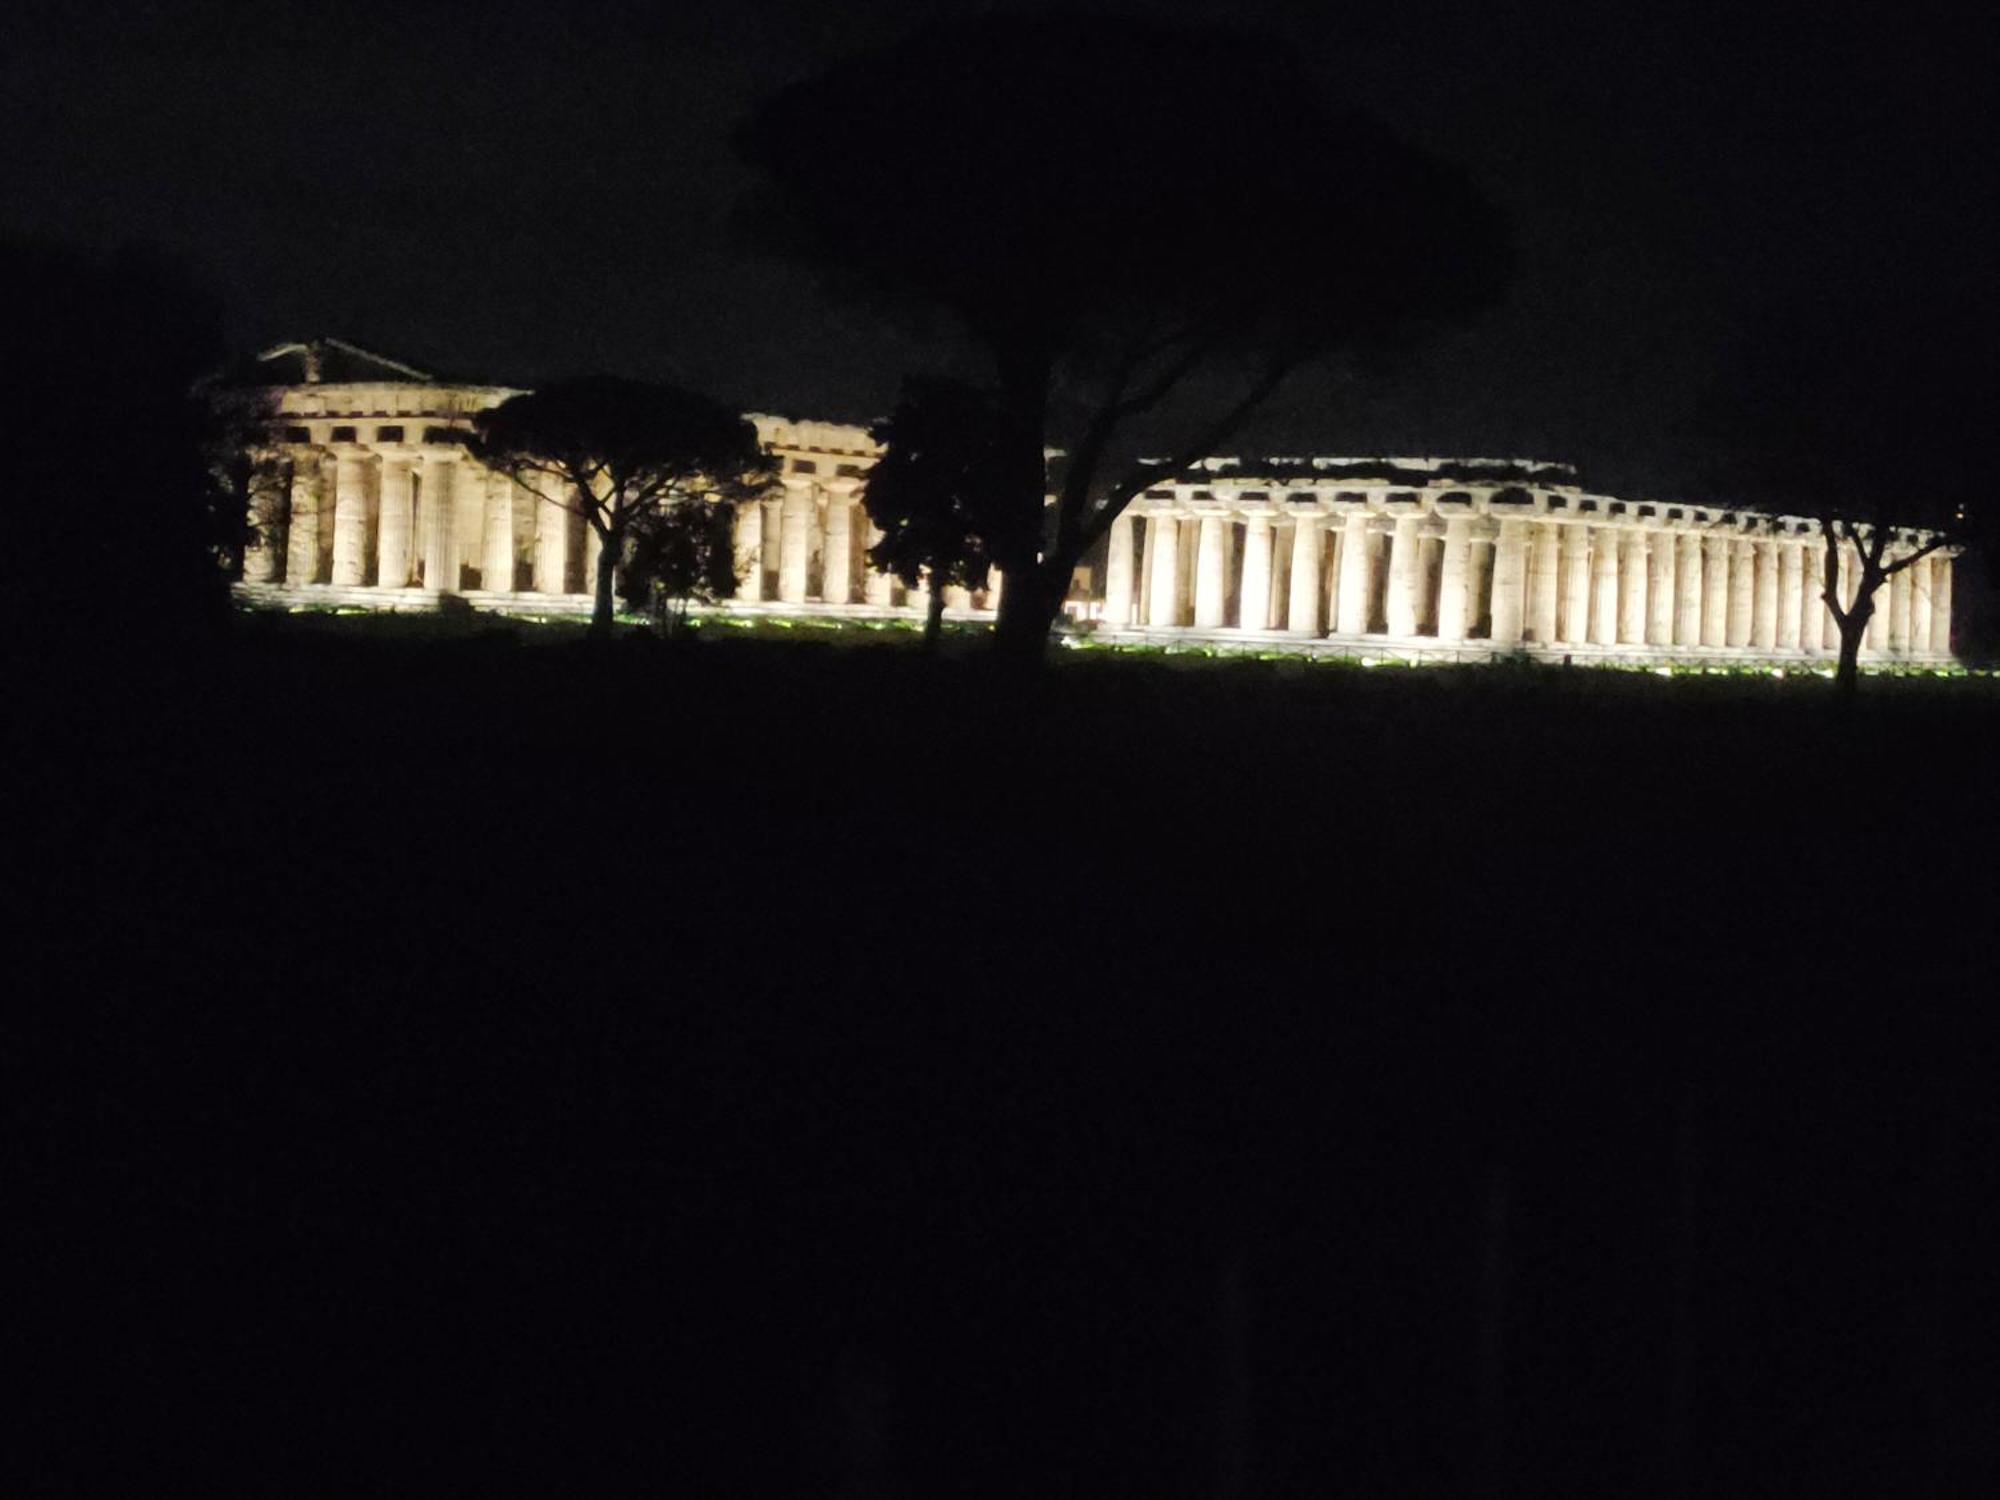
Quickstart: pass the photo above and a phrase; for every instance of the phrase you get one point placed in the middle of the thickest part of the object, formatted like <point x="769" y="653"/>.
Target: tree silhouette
<point x="126" y="502"/>
<point x="1137" y="221"/>
<point x="678" y="553"/>
<point x="937" y="491"/>
<point x="1859" y="412"/>
<point x="621" y="454"/>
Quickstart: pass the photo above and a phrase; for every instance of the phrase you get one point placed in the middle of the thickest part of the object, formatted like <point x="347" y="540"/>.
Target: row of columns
<point x="810" y="544"/>
<point x="1506" y="580"/>
<point x="400" y="519"/>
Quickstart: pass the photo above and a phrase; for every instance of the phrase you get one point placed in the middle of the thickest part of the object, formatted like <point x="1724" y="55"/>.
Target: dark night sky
<point x="524" y="190"/>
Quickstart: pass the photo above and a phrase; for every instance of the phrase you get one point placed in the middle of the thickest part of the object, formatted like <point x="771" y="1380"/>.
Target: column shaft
<point x="1920" y="605"/>
<point x="1791" y="588"/>
<point x="1632" y="587"/>
<point x="1302" y="616"/>
<point x="1118" y="572"/>
<point x="1941" y="570"/>
<point x="1603" y="586"/>
<point x="1253" y="594"/>
<point x="350" y="519"/>
<point x="1764" y="606"/>
<point x="440" y="525"/>
<point x="837" y="556"/>
<point x="1356" y="567"/>
<point x="496" y="563"/>
<point x="1660" y="589"/>
<point x="552" y="527"/>
<point x="1510" y="580"/>
<point x="1451" y="610"/>
<point x="1715" y="591"/>
<point x="1163" y="602"/>
<point x="801" y="513"/>
<point x="1574" y="625"/>
<point x="1687" y="589"/>
<point x="1899" y="611"/>
<point x="1211" y="579"/>
<point x="1544" y="582"/>
<point x="1742" y="592"/>
<point x="1405" y="556"/>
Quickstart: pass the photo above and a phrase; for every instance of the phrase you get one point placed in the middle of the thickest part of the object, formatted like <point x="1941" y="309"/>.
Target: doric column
<point x="552" y="526"/>
<point x="1941" y="568"/>
<point x="957" y="597"/>
<point x="1510" y="581"/>
<point x="1715" y="590"/>
<point x="496" y="561"/>
<point x="1211" y="572"/>
<point x="1356" y="559"/>
<point x="1479" y="578"/>
<point x="1687" y="589"/>
<point x="1163" y="602"/>
<point x="1302" y="616"/>
<point x="1405" y="557"/>
<point x="837" y="557"/>
<point x="1764" y="607"/>
<point x="1452" y="572"/>
<point x="1544" y="576"/>
<point x="801" y="514"/>
<point x="469" y="513"/>
<point x="1899" y="611"/>
<point x="996" y="583"/>
<point x="440" y="524"/>
<point x="1809" y="607"/>
<point x="1428" y="531"/>
<point x="1253" y="594"/>
<point x="879" y="588"/>
<point x="1790" y="585"/>
<point x="350" y="519"/>
<point x="1632" y="587"/>
<point x="1920" y="605"/>
<point x="302" y="534"/>
<point x="1118" y="572"/>
<point x="1603" y="586"/>
<point x="746" y="534"/>
<point x="1742" y="592"/>
<point x="1574" y="626"/>
<point x="918" y="595"/>
<point x="1660" y="590"/>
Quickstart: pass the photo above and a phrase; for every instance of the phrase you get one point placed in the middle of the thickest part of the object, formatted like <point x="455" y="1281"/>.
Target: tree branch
<point x="1099" y="520"/>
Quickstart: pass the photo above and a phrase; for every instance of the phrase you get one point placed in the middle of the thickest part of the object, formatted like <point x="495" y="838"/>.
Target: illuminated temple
<point x="380" y="507"/>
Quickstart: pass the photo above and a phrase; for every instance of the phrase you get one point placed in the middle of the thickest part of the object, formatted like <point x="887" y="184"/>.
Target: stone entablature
<point x="376" y="505"/>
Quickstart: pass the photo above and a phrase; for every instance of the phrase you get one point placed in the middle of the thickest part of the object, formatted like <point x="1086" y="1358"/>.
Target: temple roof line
<point x="321" y="362"/>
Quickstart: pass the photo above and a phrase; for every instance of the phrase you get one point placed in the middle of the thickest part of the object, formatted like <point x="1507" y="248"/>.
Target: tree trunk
<point x="1029" y="604"/>
<point x="934" y="616"/>
<point x="1847" y="673"/>
<point x="601" y="609"/>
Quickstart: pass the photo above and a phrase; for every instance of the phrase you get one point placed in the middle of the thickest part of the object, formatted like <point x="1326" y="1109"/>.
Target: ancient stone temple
<point x="380" y="507"/>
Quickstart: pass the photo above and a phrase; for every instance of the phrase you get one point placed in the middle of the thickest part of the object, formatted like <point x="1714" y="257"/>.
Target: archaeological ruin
<point x="1410" y="558"/>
